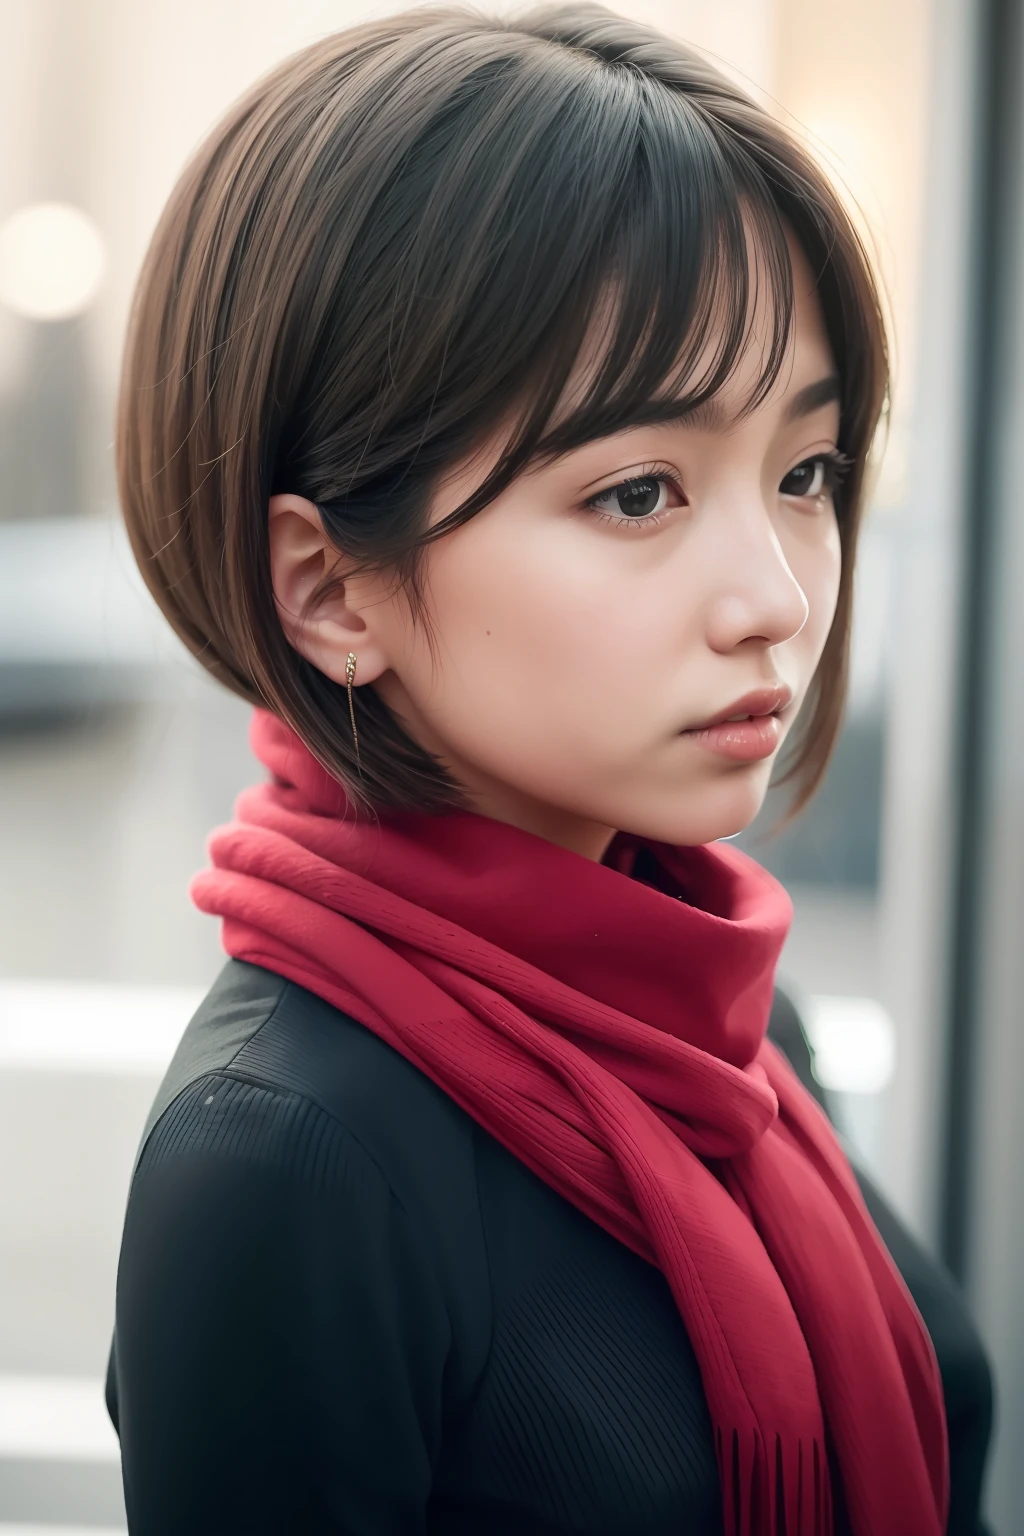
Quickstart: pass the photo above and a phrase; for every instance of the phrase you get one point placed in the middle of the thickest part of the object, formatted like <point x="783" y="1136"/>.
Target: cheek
<point x="509" y="623"/>
<point x="817" y="565"/>
<point x="552" y="658"/>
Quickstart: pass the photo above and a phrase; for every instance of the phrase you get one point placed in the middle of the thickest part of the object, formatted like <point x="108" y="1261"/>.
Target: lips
<point x="758" y="703"/>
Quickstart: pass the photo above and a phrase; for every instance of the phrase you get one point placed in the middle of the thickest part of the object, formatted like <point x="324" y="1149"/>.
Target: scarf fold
<point x="610" y="1032"/>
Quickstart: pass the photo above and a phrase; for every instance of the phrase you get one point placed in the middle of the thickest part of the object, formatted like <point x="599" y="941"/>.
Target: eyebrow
<point x="709" y="415"/>
<point x="806" y="401"/>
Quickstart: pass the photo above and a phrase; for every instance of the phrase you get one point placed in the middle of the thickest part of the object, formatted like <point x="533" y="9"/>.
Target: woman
<point x="495" y="416"/>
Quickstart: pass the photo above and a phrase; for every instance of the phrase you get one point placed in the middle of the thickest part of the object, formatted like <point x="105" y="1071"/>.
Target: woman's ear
<point x="323" y="630"/>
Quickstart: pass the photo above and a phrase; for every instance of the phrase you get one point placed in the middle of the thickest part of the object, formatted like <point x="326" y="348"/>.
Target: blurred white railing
<point x="60" y="1530"/>
<point x="79" y="1065"/>
<point x="91" y="1027"/>
<point x="55" y="1418"/>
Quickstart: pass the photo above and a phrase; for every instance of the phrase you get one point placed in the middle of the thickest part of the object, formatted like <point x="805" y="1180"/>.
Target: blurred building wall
<point x="984" y="1205"/>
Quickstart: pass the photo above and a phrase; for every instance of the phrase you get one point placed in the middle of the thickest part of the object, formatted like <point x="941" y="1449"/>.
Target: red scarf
<point x="611" y="1034"/>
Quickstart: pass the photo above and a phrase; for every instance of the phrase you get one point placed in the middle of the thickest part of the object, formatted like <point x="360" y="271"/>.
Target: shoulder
<point x="259" y="1029"/>
<point x="274" y="1086"/>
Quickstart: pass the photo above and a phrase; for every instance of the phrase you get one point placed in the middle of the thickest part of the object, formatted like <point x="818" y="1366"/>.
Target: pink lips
<point x="751" y="738"/>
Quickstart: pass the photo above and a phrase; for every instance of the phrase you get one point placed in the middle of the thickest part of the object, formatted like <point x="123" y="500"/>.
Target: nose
<point x="755" y="595"/>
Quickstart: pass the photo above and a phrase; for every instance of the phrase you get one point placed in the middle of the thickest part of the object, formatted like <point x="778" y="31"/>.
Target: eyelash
<point x="836" y="466"/>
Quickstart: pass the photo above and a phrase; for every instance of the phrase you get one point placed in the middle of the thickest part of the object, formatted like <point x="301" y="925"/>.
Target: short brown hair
<point x="397" y="241"/>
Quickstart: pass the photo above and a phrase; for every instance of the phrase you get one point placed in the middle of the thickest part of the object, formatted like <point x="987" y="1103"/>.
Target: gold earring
<point x="350" y="672"/>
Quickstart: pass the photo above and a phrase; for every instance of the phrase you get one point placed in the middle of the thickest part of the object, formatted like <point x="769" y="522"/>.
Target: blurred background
<point x="117" y="756"/>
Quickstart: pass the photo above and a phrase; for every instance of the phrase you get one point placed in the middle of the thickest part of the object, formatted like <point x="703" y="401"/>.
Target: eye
<point x="814" y="477"/>
<point x="641" y="499"/>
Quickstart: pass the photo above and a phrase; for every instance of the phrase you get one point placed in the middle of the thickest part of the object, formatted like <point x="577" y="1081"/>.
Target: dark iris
<point x="807" y="478"/>
<point x="637" y="498"/>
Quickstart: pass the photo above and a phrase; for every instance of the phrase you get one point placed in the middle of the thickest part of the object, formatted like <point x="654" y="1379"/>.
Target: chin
<point x="702" y="813"/>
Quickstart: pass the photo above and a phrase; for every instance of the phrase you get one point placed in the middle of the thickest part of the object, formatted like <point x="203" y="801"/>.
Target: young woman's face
<point x="593" y="622"/>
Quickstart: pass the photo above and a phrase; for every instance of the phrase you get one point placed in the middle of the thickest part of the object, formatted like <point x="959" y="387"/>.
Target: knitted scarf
<point x="606" y="1023"/>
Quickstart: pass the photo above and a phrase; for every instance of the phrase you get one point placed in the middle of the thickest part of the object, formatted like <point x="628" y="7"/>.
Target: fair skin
<point x="586" y="630"/>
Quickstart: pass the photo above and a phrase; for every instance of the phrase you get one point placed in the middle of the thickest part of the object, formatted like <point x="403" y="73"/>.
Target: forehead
<point x="807" y="378"/>
<point x="783" y="349"/>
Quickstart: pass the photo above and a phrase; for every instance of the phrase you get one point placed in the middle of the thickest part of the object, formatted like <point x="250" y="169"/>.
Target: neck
<point x="588" y="838"/>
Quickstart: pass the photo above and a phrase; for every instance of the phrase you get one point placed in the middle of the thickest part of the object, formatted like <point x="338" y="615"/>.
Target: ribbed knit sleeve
<point x="280" y="1336"/>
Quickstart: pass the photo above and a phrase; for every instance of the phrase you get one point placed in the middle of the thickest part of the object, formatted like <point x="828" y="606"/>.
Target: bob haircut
<point x="396" y="245"/>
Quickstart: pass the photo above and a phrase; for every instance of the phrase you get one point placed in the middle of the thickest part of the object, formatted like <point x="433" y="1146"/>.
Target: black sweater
<point x="343" y="1309"/>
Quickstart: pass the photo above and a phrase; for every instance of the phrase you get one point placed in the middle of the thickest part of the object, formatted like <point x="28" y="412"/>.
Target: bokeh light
<point x="51" y="261"/>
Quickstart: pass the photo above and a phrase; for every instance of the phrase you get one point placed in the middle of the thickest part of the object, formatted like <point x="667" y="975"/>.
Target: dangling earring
<point x="350" y="672"/>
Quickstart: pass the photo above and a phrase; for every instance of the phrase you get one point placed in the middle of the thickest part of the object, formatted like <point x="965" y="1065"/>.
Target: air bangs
<point x="658" y="315"/>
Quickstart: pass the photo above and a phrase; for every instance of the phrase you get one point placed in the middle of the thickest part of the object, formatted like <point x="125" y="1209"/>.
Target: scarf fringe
<point x="786" y="1493"/>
